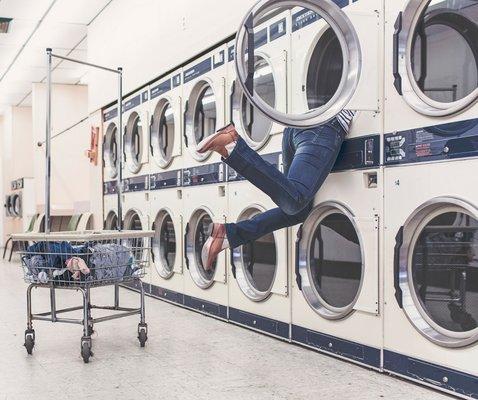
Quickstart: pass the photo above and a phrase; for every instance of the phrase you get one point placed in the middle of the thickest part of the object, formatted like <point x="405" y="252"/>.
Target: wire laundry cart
<point x="83" y="261"/>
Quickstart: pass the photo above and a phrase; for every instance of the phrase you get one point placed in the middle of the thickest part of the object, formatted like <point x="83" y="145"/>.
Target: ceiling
<point x="36" y="25"/>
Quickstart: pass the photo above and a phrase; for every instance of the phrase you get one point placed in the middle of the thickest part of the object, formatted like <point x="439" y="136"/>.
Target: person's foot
<point x="216" y="243"/>
<point x="219" y="141"/>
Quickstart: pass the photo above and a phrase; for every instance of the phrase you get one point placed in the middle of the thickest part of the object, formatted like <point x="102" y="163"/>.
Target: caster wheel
<point x="86" y="352"/>
<point x="29" y="340"/>
<point x="142" y="334"/>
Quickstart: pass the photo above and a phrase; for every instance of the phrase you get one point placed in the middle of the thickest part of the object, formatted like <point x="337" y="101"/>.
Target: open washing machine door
<point x="436" y="55"/>
<point x="331" y="43"/>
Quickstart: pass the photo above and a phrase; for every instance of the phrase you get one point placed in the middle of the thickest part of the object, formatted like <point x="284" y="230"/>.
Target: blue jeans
<point x="308" y="157"/>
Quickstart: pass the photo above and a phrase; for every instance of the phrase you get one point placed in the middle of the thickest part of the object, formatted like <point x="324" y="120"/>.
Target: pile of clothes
<point x="62" y="262"/>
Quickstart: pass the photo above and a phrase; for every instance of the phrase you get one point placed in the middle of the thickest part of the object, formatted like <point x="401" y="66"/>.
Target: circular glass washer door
<point x="439" y="272"/>
<point x="110" y="150"/>
<point x="164" y="244"/>
<point x="132" y="222"/>
<point x="197" y="233"/>
<point x="17" y="205"/>
<point x="163" y="133"/>
<point x="325" y="100"/>
<point x="437" y="55"/>
<point x="111" y="221"/>
<point x="255" y="125"/>
<point x="200" y="117"/>
<point x="330" y="261"/>
<point x="256" y="263"/>
<point x="8" y="206"/>
<point x="133" y="143"/>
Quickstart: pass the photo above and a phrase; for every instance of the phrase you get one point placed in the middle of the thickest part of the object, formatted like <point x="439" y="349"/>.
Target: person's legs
<point x="309" y="156"/>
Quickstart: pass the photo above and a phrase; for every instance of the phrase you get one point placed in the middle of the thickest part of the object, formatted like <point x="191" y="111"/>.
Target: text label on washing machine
<point x="132" y="103"/>
<point x="164" y="180"/>
<point x="198" y="70"/>
<point x="277" y="29"/>
<point x="160" y="89"/>
<point x="136" y="184"/>
<point x="110" y="114"/>
<point x="109" y="187"/>
<point x="203" y="174"/>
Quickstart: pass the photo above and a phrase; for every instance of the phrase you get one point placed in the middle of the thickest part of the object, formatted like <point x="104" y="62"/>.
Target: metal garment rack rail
<point x="130" y="245"/>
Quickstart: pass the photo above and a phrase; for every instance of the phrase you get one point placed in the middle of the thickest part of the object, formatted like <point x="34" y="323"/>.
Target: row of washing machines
<point x="384" y="272"/>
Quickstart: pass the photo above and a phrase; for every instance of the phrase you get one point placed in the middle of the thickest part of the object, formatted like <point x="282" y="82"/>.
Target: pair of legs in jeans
<point x="308" y="157"/>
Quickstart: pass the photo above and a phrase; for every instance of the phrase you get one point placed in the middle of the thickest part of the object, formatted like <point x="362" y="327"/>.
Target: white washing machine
<point x="166" y="123"/>
<point x="272" y="42"/>
<point x="334" y="58"/>
<point x="258" y="278"/>
<point x="110" y="144"/>
<point x="334" y="63"/>
<point x="204" y="82"/>
<point x="204" y="201"/>
<point x="136" y="135"/>
<point x="431" y="281"/>
<point x="166" y="219"/>
<point x="23" y="201"/>
<point x="166" y="129"/>
<point x="430" y="149"/>
<point x="8" y="206"/>
<point x="110" y="206"/>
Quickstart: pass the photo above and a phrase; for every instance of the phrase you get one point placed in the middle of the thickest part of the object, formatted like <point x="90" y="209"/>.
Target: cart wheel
<point x="142" y="334"/>
<point x="29" y="340"/>
<point x="86" y="352"/>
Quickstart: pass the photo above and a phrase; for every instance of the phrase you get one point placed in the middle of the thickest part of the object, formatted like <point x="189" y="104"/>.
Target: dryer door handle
<point x="186" y="259"/>
<point x="396" y="43"/>
<point x="396" y="267"/>
<point x="186" y="107"/>
<point x="298" y="278"/>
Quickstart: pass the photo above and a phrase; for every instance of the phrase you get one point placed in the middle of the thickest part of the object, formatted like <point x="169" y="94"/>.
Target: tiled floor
<point x="188" y="356"/>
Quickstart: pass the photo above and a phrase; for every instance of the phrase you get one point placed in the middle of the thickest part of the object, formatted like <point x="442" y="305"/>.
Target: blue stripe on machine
<point x="341" y="347"/>
<point x="218" y="59"/>
<point x="203" y="174"/>
<point x="305" y="17"/>
<point x="207" y="307"/>
<point x="263" y="324"/>
<point x="166" y="294"/>
<point x="277" y="29"/>
<point x="164" y="180"/>
<point x="198" y="70"/>
<point x="230" y="53"/>
<point x="260" y="38"/>
<point x="109" y="188"/>
<point x="136" y="184"/>
<point x="160" y="89"/>
<point x="443" y="378"/>
<point x="132" y="103"/>
<point x="110" y="114"/>
<point x="176" y="80"/>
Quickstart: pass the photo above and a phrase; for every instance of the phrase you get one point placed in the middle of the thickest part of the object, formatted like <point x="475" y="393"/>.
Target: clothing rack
<point x="119" y="73"/>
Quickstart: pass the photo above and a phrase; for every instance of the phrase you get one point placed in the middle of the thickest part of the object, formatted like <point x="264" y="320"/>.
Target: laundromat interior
<point x="138" y="137"/>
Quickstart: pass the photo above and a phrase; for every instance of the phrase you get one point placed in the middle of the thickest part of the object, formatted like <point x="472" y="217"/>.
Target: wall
<point x="70" y="168"/>
<point x="152" y="37"/>
<point x="17" y="156"/>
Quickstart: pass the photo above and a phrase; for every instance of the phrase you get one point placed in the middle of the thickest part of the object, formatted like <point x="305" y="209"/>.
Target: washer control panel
<point x="433" y="143"/>
<point x="164" y="180"/>
<point x="203" y="174"/>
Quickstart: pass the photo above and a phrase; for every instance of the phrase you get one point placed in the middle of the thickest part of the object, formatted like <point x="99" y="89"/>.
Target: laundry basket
<point x="82" y="261"/>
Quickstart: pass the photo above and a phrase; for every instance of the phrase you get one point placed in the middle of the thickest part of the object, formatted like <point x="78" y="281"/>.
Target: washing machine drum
<point x="255" y="264"/>
<point x="110" y="150"/>
<point x="333" y="63"/>
<point x="439" y="274"/>
<point x="197" y="232"/>
<point x="111" y="221"/>
<point x="133" y="143"/>
<point x="8" y="206"/>
<point x="16" y="205"/>
<point x="330" y="262"/>
<point x="436" y="55"/>
<point x="164" y="244"/>
<point x="162" y="133"/>
<point x="256" y="125"/>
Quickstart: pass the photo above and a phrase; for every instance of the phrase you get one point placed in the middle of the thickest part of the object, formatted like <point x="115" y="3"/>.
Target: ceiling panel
<point x="76" y="12"/>
<point x="24" y="9"/>
<point x="57" y="34"/>
<point x="18" y="32"/>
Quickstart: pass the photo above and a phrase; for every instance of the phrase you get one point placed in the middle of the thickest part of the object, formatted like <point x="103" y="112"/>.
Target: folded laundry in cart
<point x="77" y="266"/>
<point x="111" y="261"/>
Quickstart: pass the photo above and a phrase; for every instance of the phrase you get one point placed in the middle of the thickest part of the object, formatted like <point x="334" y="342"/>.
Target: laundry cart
<point x="81" y="262"/>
